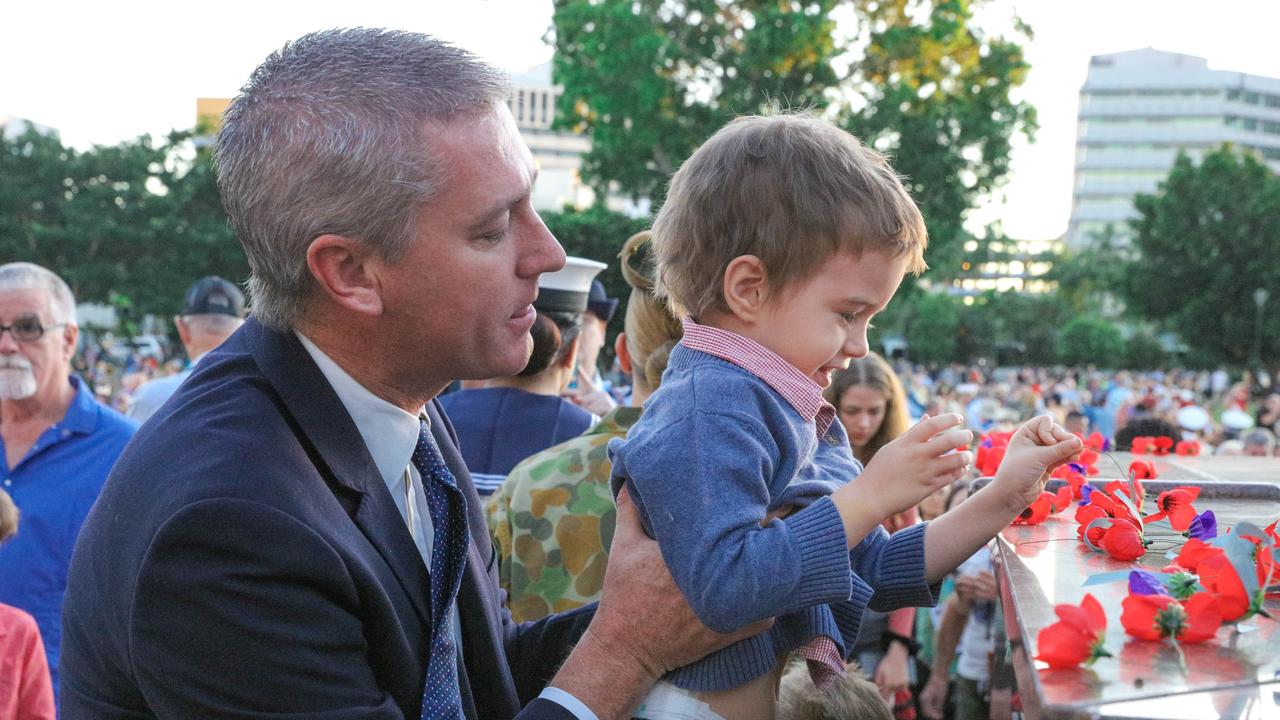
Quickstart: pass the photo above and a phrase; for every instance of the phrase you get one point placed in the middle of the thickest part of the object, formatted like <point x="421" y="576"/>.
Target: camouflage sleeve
<point x="498" y="515"/>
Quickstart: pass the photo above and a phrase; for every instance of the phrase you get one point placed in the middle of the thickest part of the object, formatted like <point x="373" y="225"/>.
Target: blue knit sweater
<point x="715" y="451"/>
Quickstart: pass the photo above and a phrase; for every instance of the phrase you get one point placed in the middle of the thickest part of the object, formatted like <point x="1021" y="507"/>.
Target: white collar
<point x="388" y="432"/>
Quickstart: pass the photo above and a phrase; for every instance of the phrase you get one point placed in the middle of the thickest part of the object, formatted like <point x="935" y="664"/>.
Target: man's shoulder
<point x="112" y="424"/>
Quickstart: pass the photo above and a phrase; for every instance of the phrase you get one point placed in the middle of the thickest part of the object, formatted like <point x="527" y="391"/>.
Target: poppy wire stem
<point x="1182" y="658"/>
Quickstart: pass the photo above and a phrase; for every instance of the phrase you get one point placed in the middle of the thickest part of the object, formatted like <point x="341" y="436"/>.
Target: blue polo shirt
<point x="54" y="486"/>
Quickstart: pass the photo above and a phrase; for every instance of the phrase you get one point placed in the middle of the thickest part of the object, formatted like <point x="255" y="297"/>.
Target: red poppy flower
<point x="1061" y="499"/>
<point x="989" y="457"/>
<point x="1187" y="447"/>
<point x="1176" y="505"/>
<point x="1096" y="441"/>
<point x="1076" y="637"/>
<point x="1074" y="480"/>
<point x="1219" y="577"/>
<point x="1142" y="470"/>
<point x="1194" y="552"/>
<point x="1087" y="459"/>
<point x="1155" y="617"/>
<point x="1037" y="511"/>
<point x="1163" y="445"/>
<point x="1142" y="445"/>
<point x="1086" y="514"/>
<point x="1123" y="541"/>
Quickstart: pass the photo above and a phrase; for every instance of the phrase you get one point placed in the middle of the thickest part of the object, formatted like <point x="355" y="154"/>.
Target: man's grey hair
<point x="1261" y="437"/>
<point x="29" y="276"/>
<point x="327" y="137"/>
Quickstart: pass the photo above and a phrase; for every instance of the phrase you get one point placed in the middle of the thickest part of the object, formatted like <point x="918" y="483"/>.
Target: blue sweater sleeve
<point x="703" y="484"/>
<point x="893" y="565"/>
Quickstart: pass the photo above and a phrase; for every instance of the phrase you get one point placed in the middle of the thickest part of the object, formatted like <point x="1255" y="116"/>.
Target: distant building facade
<point x="557" y="154"/>
<point x="1139" y="109"/>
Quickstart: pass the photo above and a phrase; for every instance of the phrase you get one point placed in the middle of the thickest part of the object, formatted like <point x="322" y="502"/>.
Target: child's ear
<point x="746" y="287"/>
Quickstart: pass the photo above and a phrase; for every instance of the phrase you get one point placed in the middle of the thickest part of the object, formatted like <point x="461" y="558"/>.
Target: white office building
<point x="1139" y="109"/>
<point x="557" y="153"/>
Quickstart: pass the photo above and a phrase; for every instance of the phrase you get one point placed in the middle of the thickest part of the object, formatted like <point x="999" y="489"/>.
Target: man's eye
<point x="28" y="325"/>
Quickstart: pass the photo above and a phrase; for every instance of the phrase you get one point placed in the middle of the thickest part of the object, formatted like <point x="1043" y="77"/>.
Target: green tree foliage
<point x="934" y="89"/>
<point x="933" y="330"/>
<point x="133" y="223"/>
<point x="1088" y="340"/>
<point x="1143" y="351"/>
<point x="1091" y="278"/>
<point x="1208" y="238"/>
<point x="649" y="80"/>
<point x="596" y="234"/>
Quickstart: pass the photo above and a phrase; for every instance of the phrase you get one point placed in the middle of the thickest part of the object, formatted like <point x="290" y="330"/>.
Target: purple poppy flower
<point x="1086" y="492"/>
<point x="1204" y="526"/>
<point x="1144" y="582"/>
<point x="1078" y="467"/>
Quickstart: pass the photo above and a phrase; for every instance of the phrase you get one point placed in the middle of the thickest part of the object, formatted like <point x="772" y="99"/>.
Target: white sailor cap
<point x="567" y="289"/>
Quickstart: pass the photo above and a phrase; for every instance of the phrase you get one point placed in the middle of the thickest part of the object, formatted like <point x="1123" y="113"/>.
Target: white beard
<point x="17" y="381"/>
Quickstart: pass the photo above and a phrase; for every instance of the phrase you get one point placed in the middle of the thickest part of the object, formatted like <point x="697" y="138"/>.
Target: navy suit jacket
<point x="245" y="559"/>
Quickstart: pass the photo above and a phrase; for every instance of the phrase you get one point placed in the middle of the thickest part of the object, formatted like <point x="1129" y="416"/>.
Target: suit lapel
<point x="342" y="455"/>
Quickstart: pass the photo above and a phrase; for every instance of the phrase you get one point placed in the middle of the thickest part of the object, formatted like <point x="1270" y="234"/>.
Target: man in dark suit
<point x="294" y="534"/>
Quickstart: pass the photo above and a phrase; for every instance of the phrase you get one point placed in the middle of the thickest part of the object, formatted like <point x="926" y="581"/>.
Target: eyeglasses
<point x="28" y="328"/>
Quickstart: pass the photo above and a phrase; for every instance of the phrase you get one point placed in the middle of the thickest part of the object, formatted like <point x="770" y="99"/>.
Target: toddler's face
<point x="819" y="324"/>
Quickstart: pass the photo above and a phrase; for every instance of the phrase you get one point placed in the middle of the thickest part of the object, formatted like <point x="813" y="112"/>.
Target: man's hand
<point x="643" y="629"/>
<point x="981" y="586"/>
<point x="934" y="696"/>
<point x="913" y="466"/>
<point x="1038" y="448"/>
<point x="891" y="674"/>
<point x="589" y="396"/>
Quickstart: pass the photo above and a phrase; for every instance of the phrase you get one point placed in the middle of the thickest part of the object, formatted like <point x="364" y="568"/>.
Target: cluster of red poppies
<point x="1212" y="580"/>
<point x="1160" y="445"/>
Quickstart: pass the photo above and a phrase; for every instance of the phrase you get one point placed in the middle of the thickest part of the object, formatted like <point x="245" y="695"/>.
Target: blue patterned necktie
<point x="441" y="696"/>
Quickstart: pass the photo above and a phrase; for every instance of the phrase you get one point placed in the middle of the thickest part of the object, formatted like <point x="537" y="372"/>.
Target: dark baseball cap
<point x="214" y="296"/>
<point x="599" y="303"/>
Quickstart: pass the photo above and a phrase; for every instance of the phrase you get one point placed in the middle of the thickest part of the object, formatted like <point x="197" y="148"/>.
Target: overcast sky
<point x="104" y="72"/>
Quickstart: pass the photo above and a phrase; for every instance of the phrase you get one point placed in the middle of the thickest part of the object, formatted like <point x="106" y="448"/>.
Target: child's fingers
<point x="1041" y="428"/>
<point x="948" y="441"/>
<point x="930" y="426"/>
<point x="1061" y="452"/>
<point x="955" y="462"/>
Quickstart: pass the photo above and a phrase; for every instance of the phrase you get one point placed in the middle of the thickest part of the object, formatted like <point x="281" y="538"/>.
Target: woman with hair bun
<point x="512" y="418"/>
<point x="553" y="518"/>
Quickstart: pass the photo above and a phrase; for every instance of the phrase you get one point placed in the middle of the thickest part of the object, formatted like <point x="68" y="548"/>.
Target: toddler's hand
<point x="918" y="462"/>
<point x="1038" y="448"/>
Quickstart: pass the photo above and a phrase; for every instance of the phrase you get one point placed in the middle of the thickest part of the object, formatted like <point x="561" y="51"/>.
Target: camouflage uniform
<point x="553" y="520"/>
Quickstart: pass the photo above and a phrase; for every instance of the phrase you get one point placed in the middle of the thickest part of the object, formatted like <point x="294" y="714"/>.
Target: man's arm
<point x="934" y="695"/>
<point x="252" y="620"/>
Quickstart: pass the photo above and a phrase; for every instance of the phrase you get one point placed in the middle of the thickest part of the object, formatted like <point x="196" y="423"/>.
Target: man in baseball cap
<point x="212" y="309"/>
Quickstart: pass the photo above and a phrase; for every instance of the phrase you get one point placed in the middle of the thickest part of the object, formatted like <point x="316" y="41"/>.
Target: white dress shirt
<point x="391" y="434"/>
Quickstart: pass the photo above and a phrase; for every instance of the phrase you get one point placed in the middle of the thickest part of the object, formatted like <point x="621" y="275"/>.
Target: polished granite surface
<point x="1235" y="675"/>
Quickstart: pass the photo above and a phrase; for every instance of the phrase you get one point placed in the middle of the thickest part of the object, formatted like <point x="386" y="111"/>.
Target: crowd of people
<point x="402" y="487"/>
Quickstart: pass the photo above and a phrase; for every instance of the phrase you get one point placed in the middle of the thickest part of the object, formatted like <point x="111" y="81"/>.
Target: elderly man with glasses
<point x="59" y="443"/>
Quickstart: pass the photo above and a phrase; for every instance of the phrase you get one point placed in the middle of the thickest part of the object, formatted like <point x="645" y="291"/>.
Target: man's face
<point x="590" y="342"/>
<point x="31" y="367"/>
<point x="461" y="296"/>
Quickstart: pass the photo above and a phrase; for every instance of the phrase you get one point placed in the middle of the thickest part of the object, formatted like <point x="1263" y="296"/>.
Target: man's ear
<point x="746" y="287"/>
<point x="347" y="273"/>
<point x="623" y="354"/>
<point x="570" y="359"/>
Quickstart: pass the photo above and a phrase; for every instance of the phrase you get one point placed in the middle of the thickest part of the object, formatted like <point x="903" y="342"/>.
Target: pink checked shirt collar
<point x="798" y="389"/>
